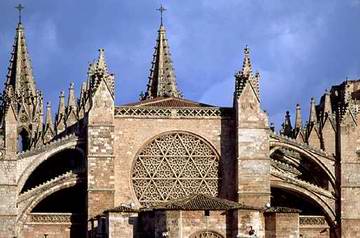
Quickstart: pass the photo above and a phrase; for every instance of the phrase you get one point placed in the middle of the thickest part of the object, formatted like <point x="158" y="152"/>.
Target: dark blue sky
<point x="300" y="47"/>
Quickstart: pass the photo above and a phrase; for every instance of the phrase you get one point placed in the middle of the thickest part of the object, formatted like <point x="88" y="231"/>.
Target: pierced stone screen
<point x="173" y="166"/>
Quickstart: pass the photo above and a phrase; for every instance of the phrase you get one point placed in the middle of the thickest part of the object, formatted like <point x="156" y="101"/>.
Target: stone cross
<point x="161" y="10"/>
<point x="19" y="8"/>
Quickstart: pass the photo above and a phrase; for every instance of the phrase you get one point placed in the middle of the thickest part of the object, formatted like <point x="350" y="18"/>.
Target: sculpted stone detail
<point x="173" y="166"/>
<point x="312" y="220"/>
<point x="54" y="218"/>
<point x="202" y="112"/>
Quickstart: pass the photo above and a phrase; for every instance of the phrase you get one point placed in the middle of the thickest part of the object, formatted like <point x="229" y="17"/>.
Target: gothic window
<point x="206" y="234"/>
<point x="173" y="166"/>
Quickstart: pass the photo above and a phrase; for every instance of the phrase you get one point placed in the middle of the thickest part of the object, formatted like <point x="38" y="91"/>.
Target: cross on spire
<point x="20" y="8"/>
<point x="161" y="10"/>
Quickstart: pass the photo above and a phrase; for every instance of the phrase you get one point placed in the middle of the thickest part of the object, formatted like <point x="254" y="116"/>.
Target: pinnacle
<point x="101" y="63"/>
<point x="162" y="79"/>
<point x="20" y="76"/>
<point x="246" y="69"/>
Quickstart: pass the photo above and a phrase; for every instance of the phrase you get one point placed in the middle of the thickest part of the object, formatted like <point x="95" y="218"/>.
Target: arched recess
<point x="330" y="174"/>
<point x="327" y="210"/>
<point x="37" y="160"/>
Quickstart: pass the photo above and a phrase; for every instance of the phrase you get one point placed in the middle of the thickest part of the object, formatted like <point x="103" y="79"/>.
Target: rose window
<point x="206" y="234"/>
<point x="173" y="166"/>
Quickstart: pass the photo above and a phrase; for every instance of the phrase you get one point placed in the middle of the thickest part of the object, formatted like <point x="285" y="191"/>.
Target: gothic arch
<point x="37" y="160"/>
<point x="206" y="234"/>
<point x="326" y="208"/>
<point x="307" y="154"/>
<point x="174" y="164"/>
<point x="26" y="206"/>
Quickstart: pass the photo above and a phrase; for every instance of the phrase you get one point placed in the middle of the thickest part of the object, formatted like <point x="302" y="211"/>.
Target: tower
<point x="100" y="129"/>
<point x="21" y="122"/>
<point x="253" y="171"/>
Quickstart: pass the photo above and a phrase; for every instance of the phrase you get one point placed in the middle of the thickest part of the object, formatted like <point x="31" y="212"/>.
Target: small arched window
<point x="23" y="141"/>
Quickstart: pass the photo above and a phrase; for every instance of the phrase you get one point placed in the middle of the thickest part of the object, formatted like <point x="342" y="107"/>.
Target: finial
<point x="19" y="8"/>
<point x="246" y="50"/>
<point x="161" y="10"/>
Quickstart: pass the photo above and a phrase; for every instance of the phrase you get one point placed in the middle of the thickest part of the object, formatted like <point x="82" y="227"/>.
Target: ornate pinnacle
<point x="48" y="115"/>
<point x="72" y="98"/>
<point x="312" y="115"/>
<point x="298" y="118"/>
<point x="287" y="128"/>
<point x="162" y="79"/>
<point x="101" y="64"/>
<point x="61" y="109"/>
<point x="20" y="77"/>
<point x="327" y="103"/>
<point x="246" y="69"/>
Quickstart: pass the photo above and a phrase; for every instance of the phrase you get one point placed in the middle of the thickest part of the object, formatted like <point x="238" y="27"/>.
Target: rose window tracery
<point x="206" y="234"/>
<point x="173" y="166"/>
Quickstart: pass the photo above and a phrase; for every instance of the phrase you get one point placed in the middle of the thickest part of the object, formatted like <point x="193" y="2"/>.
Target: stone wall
<point x="350" y="177"/>
<point x="52" y="231"/>
<point x="281" y="225"/>
<point x="121" y="225"/>
<point x="314" y="227"/>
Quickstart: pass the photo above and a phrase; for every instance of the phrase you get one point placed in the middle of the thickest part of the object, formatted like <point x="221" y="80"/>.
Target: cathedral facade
<point x="166" y="166"/>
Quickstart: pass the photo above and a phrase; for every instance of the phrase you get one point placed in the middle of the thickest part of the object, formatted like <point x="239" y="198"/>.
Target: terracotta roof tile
<point x="168" y="102"/>
<point x="202" y="202"/>
<point x="123" y="208"/>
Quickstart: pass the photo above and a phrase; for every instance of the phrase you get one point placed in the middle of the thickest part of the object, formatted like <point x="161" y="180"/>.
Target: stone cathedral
<point x="166" y="166"/>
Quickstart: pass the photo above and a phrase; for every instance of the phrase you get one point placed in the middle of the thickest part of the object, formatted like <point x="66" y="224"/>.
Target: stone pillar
<point x="8" y="186"/>
<point x="100" y="152"/>
<point x="350" y="176"/>
<point x="253" y="163"/>
<point x="282" y="223"/>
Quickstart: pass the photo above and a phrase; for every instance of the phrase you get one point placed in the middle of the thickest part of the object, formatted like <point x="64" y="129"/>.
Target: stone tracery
<point x="175" y="165"/>
<point x="206" y="234"/>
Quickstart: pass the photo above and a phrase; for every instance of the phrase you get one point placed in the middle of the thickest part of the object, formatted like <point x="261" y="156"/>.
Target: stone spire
<point x="246" y="68"/>
<point x="286" y="126"/>
<point x="71" y="109"/>
<point x="98" y="72"/>
<point x="60" y="116"/>
<point x="48" y="122"/>
<point x="20" y="81"/>
<point x="312" y="115"/>
<point x="72" y="98"/>
<point x="162" y="80"/>
<point x="298" y="117"/>
<point x="49" y="127"/>
<point x="327" y="103"/>
<point x="246" y="76"/>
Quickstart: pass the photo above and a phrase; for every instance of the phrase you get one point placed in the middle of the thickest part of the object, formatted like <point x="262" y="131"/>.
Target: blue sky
<point x="300" y="47"/>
